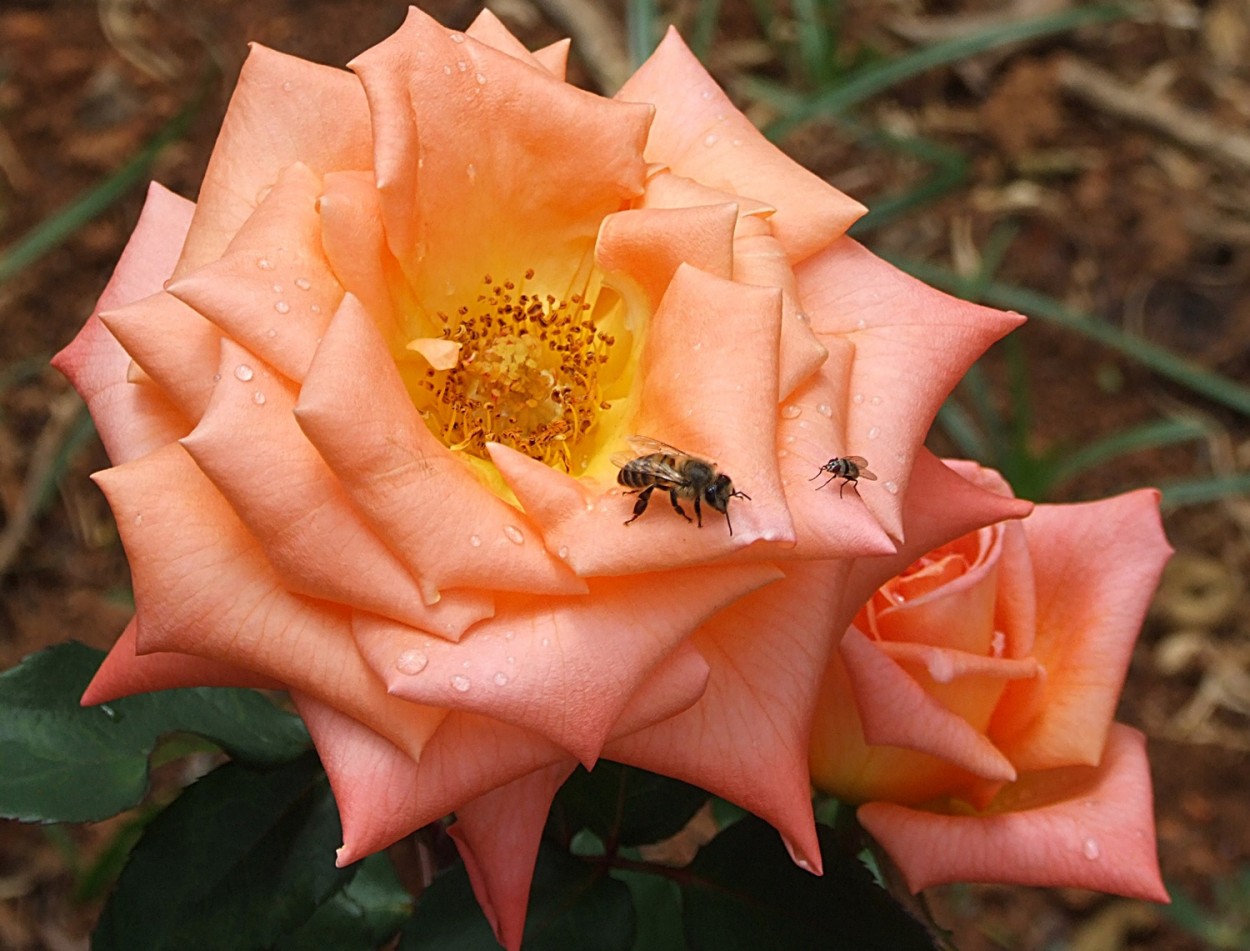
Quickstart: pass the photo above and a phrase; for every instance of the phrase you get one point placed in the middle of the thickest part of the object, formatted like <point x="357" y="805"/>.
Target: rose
<point x="970" y="706"/>
<point x="362" y="400"/>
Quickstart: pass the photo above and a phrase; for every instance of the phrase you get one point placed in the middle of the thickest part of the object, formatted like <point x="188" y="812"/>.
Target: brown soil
<point x="1117" y="215"/>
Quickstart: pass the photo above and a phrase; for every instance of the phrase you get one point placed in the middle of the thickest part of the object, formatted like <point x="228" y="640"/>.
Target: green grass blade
<point x="1197" y="491"/>
<point x="874" y="79"/>
<point x="641" y="18"/>
<point x="814" y="27"/>
<point x="1152" y="435"/>
<point x="703" y="29"/>
<point x="1215" y="387"/>
<point x="48" y="234"/>
<point x="963" y="431"/>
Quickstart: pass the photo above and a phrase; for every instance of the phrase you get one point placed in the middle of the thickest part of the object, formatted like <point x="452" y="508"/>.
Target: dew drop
<point x="287" y="85"/>
<point x="875" y="401"/>
<point x="456" y="37"/>
<point x="891" y="487"/>
<point x="271" y="333"/>
<point x="471" y="171"/>
<point x="216" y="377"/>
<point x="1091" y="850"/>
<point x="546" y="642"/>
<point x="508" y="635"/>
<point x="706" y="95"/>
<point x="941" y="667"/>
<point x="481" y="80"/>
<point x="791" y="440"/>
<point x="447" y="70"/>
<point x="861" y="324"/>
<point x="514" y="534"/>
<point x="782" y="453"/>
<point x="564" y="551"/>
<point x="475" y="541"/>
<point x="315" y="308"/>
<point x="460" y="683"/>
<point x="282" y="307"/>
<point x="736" y="143"/>
<point x="303" y="283"/>
<point x="258" y="398"/>
<point x="465" y="665"/>
<point x="710" y="140"/>
<point x="790" y="411"/>
<point x="501" y="679"/>
<point x="139" y="519"/>
<point x="824" y="409"/>
<point x="510" y="659"/>
<point x="108" y="711"/>
<point x="411" y="662"/>
<point x="874" y="432"/>
<point x="698" y="345"/>
<point x="264" y="264"/>
<point x="462" y="66"/>
<point x="804" y="864"/>
<point x="998" y="643"/>
<point x="243" y="372"/>
<point x="800" y="316"/>
<point x="857" y="398"/>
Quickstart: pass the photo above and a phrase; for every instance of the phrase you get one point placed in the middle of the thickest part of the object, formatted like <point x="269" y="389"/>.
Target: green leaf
<point x="67" y="763"/>
<point x="625" y="806"/>
<point x="657" y="904"/>
<point x="746" y="893"/>
<point x="573" y="905"/>
<point x="239" y="860"/>
<point x="365" y="914"/>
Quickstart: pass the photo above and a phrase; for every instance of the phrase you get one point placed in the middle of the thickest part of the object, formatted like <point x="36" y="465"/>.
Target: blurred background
<point x="1087" y="165"/>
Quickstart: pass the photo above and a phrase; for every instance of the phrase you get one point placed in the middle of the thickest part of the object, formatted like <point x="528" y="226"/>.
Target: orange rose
<point x="970" y="705"/>
<point x="363" y="398"/>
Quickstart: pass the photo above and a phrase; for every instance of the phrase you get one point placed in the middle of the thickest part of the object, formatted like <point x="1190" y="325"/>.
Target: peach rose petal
<point x="746" y="738"/>
<point x="709" y="387"/>
<point x="383" y="796"/>
<point x="125" y="673"/>
<point x="1016" y="608"/>
<point x="273" y="291"/>
<point x="562" y="670"/>
<point x="897" y="711"/>
<point x="760" y="259"/>
<point x="284" y="110"/>
<point x="940" y="505"/>
<point x="132" y="420"/>
<point x="700" y="134"/>
<point x="666" y="190"/>
<point x="176" y="347"/>
<point x="648" y="245"/>
<point x="554" y="57"/>
<point x="501" y="141"/>
<point x="1086" y="827"/>
<point x="1106" y="557"/>
<point x="249" y="445"/>
<point x="912" y="344"/>
<point x="497" y="835"/>
<point x="354" y="242"/>
<point x="204" y="588"/>
<point x="489" y="30"/>
<point x="448" y="529"/>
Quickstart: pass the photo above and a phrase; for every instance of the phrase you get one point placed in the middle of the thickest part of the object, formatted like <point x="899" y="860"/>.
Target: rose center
<point x="522" y="368"/>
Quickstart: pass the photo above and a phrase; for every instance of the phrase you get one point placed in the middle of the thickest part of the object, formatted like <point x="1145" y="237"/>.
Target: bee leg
<point x="672" y="494"/>
<point x="698" y="511"/>
<point x="640" y="506"/>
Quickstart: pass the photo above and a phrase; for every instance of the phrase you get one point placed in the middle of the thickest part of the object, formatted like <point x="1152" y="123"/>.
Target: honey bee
<point x="656" y="465"/>
<point x="846" y="468"/>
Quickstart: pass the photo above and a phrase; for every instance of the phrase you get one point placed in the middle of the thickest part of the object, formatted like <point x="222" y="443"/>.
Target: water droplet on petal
<point x="481" y="80"/>
<point x="824" y="409"/>
<point x="791" y="440"/>
<point x="875" y="401"/>
<point x="456" y="37"/>
<point x="411" y="662"/>
<point x="790" y="411"/>
<point x="264" y="264"/>
<point x="501" y="679"/>
<point x="511" y="659"/>
<point x="471" y="171"/>
<point x="447" y="70"/>
<point x="546" y="642"/>
<point x="782" y="453"/>
<point x="874" y="432"/>
<point x="303" y="283"/>
<point x="258" y="398"/>
<point x="698" y="345"/>
<point x="287" y="85"/>
<point x="857" y="398"/>
<point x="736" y="143"/>
<point x="282" y="307"/>
<point x="475" y="541"/>
<point x="800" y="316"/>
<point x="706" y="95"/>
<point x="861" y="324"/>
<point x="462" y="66"/>
<point x="216" y="377"/>
<point x="891" y="487"/>
<point x="941" y="667"/>
<point x="243" y="372"/>
<point x="139" y="518"/>
<point x="271" y="333"/>
<point x="998" y="643"/>
<point x="508" y="635"/>
<point x="1091" y="850"/>
<point x="315" y="308"/>
<point x="460" y="683"/>
<point x="514" y="534"/>
<point x="564" y="551"/>
<point x="108" y="711"/>
<point x="710" y="140"/>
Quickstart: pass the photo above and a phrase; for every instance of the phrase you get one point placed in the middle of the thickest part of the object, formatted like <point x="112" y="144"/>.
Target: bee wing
<point x="645" y="445"/>
<point x="622" y="459"/>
